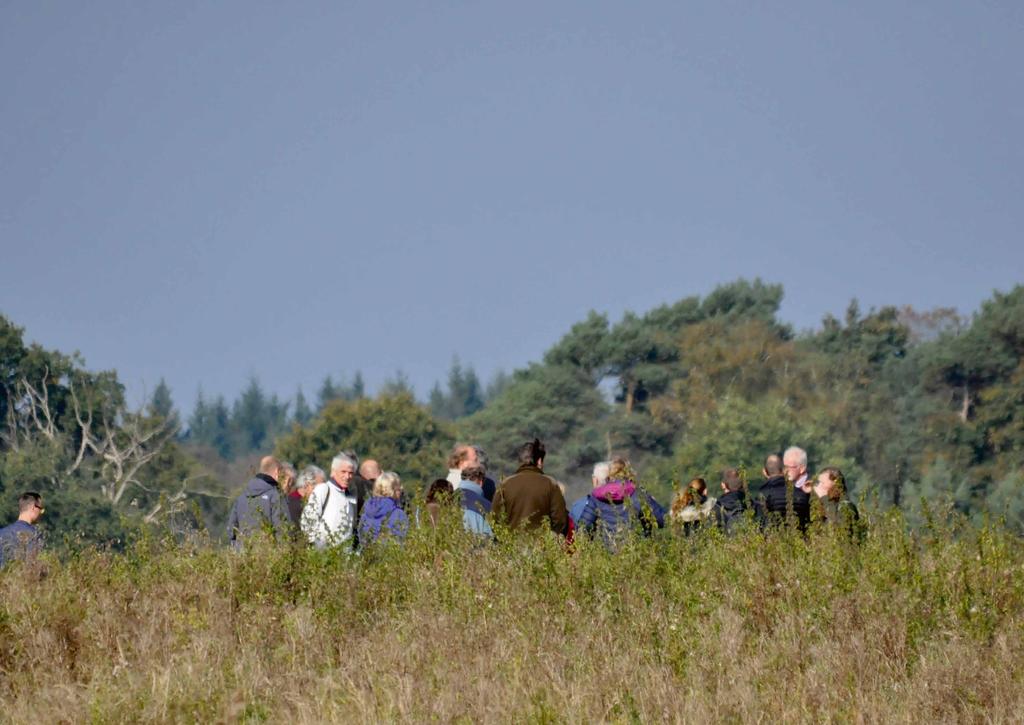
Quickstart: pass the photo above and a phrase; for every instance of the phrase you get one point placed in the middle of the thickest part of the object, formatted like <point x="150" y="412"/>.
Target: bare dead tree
<point x="122" y="443"/>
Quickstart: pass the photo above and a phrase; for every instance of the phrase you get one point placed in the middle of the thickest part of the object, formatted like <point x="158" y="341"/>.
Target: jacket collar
<point x="529" y="468"/>
<point x="267" y="479"/>
<point x="472" y="486"/>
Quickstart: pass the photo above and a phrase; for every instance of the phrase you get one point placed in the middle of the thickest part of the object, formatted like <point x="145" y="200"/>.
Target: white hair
<point x="387" y="484"/>
<point x="309" y="475"/>
<point x="795" y="454"/>
<point x="342" y="459"/>
<point x="601" y="471"/>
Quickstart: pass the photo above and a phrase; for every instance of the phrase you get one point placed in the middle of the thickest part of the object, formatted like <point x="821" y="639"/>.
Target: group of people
<point x="788" y="492"/>
<point x="358" y="503"/>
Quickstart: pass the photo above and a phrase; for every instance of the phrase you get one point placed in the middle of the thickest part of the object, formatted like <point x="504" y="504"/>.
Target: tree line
<point x="912" y="405"/>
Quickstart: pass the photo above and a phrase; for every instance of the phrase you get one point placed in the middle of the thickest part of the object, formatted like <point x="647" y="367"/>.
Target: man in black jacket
<point x="778" y="499"/>
<point x="729" y="507"/>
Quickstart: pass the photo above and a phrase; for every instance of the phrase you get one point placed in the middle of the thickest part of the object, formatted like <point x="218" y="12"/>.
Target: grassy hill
<point x="903" y="627"/>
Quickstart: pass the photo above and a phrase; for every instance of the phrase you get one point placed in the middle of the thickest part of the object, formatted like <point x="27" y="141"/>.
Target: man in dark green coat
<point x="526" y="498"/>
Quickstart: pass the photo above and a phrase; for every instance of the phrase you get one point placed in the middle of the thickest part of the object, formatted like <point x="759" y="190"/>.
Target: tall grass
<point x="902" y="627"/>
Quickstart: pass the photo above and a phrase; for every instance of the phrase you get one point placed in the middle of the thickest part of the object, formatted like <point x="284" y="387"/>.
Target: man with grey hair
<point x="598" y="478"/>
<point x="329" y="517"/>
<point x="305" y="482"/>
<point x="794" y="460"/>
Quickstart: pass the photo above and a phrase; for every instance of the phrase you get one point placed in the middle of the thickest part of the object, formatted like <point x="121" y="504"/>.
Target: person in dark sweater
<point x="729" y="508"/>
<point x="779" y="500"/>
<point x="22" y="540"/>
<point x="525" y="499"/>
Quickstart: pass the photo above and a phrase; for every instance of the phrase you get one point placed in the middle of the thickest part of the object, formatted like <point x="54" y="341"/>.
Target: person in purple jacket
<point x="382" y="517"/>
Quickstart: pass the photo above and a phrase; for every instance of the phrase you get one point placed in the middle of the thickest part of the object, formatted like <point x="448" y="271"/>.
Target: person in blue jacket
<point x="22" y="540"/>
<point x="618" y="507"/>
<point x="474" y="503"/>
<point x="382" y="517"/>
<point x="599" y="477"/>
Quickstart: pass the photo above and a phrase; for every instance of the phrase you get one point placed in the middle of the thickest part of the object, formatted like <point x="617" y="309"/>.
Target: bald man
<point x="258" y="505"/>
<point x="779" y="501"/>
<point x="370" y="470"/>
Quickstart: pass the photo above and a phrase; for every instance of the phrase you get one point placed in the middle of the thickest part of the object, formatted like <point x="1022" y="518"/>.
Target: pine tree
<point x="160" y="404"/>
<point x="328" y="392"/>
<point x="358" y="386"/>
<point x="303" y="414"/>
<point x="438" y="403"/>
<point x="250" y="418"/>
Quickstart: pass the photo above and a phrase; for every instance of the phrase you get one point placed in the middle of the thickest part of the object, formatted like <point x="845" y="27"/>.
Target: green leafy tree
<point x="553" y="402"/>
<point x="391" y="428"/>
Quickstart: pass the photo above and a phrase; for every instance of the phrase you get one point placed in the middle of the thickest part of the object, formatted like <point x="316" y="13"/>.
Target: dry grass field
<point x="925" y="627"/>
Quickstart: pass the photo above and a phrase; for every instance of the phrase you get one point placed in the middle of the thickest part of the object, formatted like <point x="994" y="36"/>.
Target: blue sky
<point x="206" y="191"/>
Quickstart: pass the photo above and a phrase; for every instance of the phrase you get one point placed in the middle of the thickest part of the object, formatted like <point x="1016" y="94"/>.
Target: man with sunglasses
<point x="22" y="540"/>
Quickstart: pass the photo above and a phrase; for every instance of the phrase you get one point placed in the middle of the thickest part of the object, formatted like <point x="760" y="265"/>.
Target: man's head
<point x="308" y="479"/>
<point x="731" y="480"/>
<point x="30" y="507"/>
<point x="773" y="466"/>
<point x="462" y="455"/>
<point x="269" y="467"/>
<point x="831" y="484"/>
<point x="369" y="469"/>
<point x="475" y="473"/>
<point x="532" y="453"/>
<point x="388" y="485"/>
<point x="794" y="460"/>
<point x="343" y="468"/>
<point x="600" y="475"/>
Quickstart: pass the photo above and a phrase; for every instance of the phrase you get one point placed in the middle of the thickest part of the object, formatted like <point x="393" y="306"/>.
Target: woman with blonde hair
<point x="618" y="506"/>
<point x="381" y="515"/>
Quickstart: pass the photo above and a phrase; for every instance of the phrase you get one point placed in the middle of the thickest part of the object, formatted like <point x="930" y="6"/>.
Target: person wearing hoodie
<point x="329" y="516"/>
<point x="729" y="508"/>
<point x="528" y="497"/>
<point x="779" y="499"/>
<point x="617" y="507"/>
<point x="382" y="518"/>
<point x="259" y="504"/>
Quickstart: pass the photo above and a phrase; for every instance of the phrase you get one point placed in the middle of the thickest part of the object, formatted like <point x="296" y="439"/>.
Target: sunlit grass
<point x="903" y="627"/>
